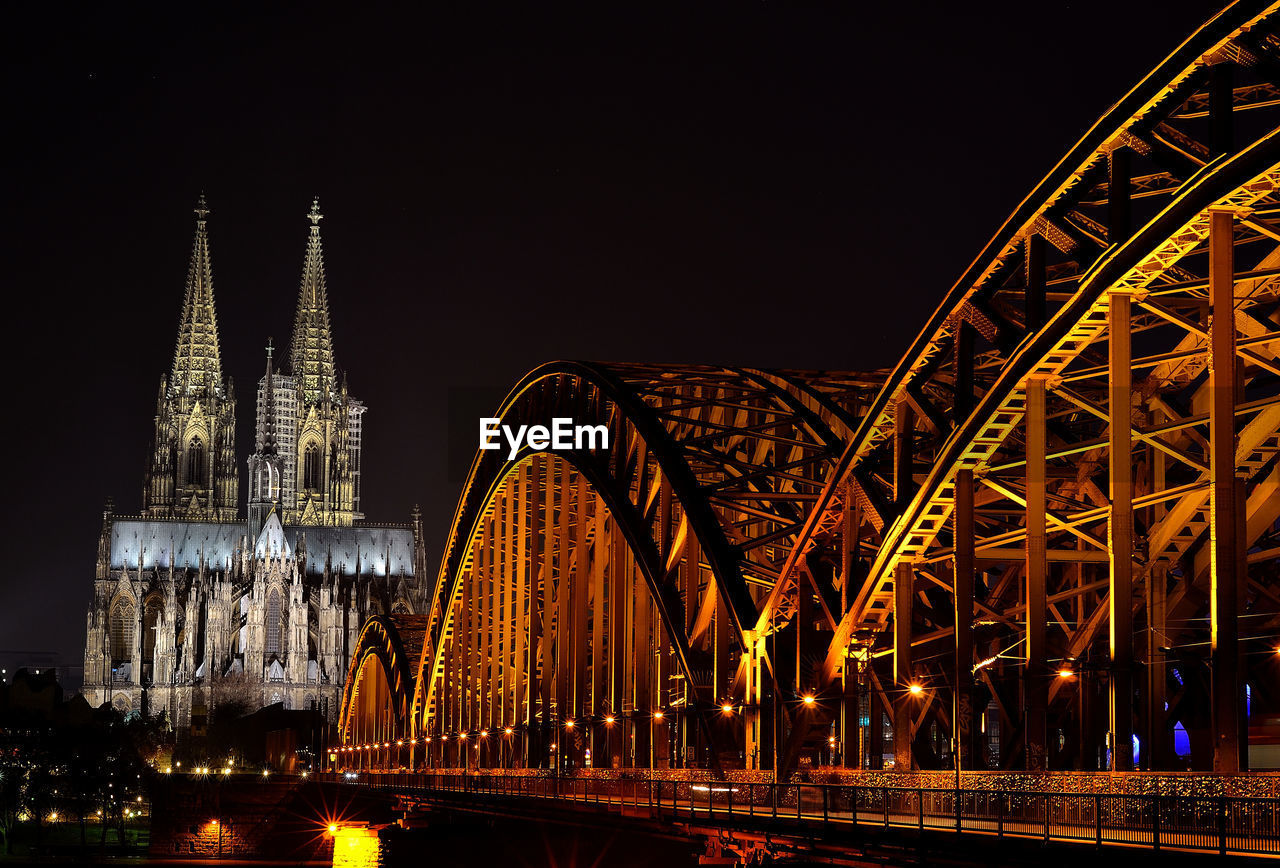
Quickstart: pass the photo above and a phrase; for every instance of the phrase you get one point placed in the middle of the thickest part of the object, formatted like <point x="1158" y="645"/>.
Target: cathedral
<point x="195" y="602"/>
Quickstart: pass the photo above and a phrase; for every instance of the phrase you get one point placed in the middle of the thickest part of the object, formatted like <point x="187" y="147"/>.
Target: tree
<point x="10" y="801"/>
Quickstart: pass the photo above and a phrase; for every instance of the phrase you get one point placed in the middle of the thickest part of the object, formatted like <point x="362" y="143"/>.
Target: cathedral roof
<point x="311" y="355"/>
<point x="271" y="542"/>
<point x="367" y="549"/>
<point x="197" y="363"/>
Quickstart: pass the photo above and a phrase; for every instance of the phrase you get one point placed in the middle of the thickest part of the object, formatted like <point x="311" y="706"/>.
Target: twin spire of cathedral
<point x="307" y="468"/>
<point x="197" y="360"/>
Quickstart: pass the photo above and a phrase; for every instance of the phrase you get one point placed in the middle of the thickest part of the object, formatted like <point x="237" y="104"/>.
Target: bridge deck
<point x="1222" y="825"/>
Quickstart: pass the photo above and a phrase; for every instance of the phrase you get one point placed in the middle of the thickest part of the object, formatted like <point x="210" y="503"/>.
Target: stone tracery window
<point x="311" y="467"/>
<point x="122" y="631"/>
<point x="195" y="463"/>
<point x="273" y="622"/>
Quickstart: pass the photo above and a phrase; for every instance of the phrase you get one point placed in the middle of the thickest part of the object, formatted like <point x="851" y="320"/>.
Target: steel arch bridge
<point x="1053" y="526"/>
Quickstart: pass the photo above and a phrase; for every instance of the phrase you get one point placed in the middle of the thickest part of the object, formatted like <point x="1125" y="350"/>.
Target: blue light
<point x="1181" y="741"/>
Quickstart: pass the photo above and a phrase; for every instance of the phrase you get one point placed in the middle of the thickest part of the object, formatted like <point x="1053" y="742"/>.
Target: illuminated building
<point x="189" y="589"/>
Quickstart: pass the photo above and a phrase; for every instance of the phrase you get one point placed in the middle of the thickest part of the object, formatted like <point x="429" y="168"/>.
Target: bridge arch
<point x="666" y="542"/>
<point x="374" y="720"/>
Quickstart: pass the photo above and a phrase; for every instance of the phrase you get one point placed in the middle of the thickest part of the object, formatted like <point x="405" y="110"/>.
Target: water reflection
<point x="356" y="847"/>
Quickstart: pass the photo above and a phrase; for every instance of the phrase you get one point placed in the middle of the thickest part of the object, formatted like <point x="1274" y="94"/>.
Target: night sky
<point x="764" y="184"/>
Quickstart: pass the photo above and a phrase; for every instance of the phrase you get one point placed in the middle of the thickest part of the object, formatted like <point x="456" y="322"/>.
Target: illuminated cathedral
<point x="193" y="599"/>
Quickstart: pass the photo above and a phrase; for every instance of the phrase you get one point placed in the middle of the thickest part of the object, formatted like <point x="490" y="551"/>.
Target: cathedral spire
<point x="311" y="355"/>
<point x="269" y="420"/>
<point x="197" y="364"/>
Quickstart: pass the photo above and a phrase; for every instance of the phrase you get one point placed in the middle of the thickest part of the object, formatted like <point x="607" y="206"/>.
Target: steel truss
<point x="1057" y="516"/>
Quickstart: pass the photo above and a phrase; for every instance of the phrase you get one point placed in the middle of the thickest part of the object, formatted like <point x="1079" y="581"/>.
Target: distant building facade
<point x="192" y="602"/>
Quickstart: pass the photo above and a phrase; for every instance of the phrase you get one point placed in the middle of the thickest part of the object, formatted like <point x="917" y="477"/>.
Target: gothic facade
<point x="193" y="604"/>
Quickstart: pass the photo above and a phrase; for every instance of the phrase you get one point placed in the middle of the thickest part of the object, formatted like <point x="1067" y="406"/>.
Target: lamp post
<point x="608" y="736"/>
<point x="653" y="726"/>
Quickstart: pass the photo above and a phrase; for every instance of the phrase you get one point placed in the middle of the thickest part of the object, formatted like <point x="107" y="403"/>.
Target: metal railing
<point x="1223" y="824"/>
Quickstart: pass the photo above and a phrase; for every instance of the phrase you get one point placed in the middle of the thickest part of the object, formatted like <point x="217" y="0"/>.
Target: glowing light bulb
<point x="809" y="699"/>
<point x="915" y="689"/>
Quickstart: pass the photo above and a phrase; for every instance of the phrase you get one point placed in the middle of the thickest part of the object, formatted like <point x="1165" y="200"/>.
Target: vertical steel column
<point x="546" y="673"/>
<point x="849" y="729"/>
<point x="483" y="614"/>
<point x="722" y="682"/>
<point x="470" y="615"/>
<point x="580" y="667"/>
<point x="692" y="581"/>
<point x="453" y="675"/>
<point x="751" y="699"/>
<point x="662" y="664"/>
<point x="495" y="572"/>
<point x="662" y="679"/>
<point x="904" y="598"/>
<point x="510" y="604"/>
<point x="599" y="556"/>
<point x="537" y="545"/>
<point x="642" y="661"/>
<point x="564" y="594"/>
<point x="1226" y="545"/>
<point x="1120" y="532"/>
<point x="1035" y="675"/>
<point x="619" y="595"/>
<point x="804" y="623"/>
<point x="904" y="589"/>
<point x="521" y="571"/>
<point x="963" y="592"/>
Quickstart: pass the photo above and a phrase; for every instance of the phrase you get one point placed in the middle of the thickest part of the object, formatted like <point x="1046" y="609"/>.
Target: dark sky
<point x="766" y="184"/>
